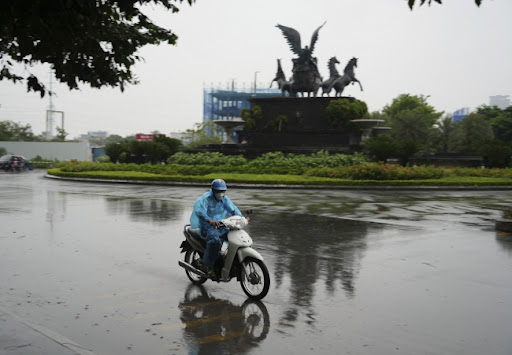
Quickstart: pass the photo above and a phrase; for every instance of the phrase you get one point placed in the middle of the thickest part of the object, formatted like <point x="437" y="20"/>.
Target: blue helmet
<point x="219" y="184"/>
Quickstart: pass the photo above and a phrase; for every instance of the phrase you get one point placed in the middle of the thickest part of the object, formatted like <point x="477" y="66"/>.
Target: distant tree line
<point x="417" y="128"/>
<point x="133" y="151"/>
<point x="13" y="131"/>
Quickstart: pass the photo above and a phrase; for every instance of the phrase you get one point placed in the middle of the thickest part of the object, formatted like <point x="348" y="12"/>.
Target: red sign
<point x="146" y="137"/>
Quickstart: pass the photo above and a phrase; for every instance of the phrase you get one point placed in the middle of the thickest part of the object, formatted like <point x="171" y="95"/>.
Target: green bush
<point x="497" y="154"/>
<point x="340" y="112"/>
<point x="42" y="163"/>
<point x="208" y="158"/>
<point x="103" y="159"/>
<point x="378" y="171"/>
<point x="321" y="165"/>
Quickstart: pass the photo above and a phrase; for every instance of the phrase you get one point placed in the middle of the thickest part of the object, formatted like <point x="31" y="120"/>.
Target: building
<point x="62" y="151"/>
<point x="184" y="137"/>
<point x="502" y="101"/>
<point x="228" y="104"/>
<point x="460" y="114"/>
<point x="94" y="134"/>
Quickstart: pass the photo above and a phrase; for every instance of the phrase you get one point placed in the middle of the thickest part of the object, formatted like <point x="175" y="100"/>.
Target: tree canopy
<point x="412" y="2"/>
<point x="12" y="131"/>
<point x="93" y="42"/>
<point x="500" y="120"/>
<point x="411" y="118"/>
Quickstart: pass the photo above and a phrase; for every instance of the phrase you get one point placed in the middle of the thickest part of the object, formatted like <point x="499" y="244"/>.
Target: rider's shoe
<point x="211" y="273"/>
<point x="198" y="264"/>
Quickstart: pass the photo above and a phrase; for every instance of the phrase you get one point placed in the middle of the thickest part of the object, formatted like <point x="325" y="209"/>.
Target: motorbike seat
<point x="196" y="234"/>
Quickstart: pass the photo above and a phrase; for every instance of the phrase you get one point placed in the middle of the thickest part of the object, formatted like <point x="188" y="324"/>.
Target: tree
<point x="173" y="144"/>
<point x="61" y="135"/>
<point x="497" y="153"/>
<point x="472" y="133"/>
<point x="11" y="131"/>
<point x="381" y="148"/>
<point x="114" y="151"/>
<point x="412" y="2"/>
<point x="341" y="112"/>
<point x="201" y="135"/>
<point x="384" y="147"/>
<point x="411" y="125"/>
<point x="94" y="42"/>
<point x="406" y="102"/>
<point x="411" y="118"/>
<point x="113" y="138"/>
<point x="444" y="134"/>
<point x="500" y="120"/>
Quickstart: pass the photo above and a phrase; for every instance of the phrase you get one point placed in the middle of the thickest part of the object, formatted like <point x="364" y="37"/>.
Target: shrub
<point x="208" y="158"/>
<point x="377" y="171"/>
<point x="340" y="112"/>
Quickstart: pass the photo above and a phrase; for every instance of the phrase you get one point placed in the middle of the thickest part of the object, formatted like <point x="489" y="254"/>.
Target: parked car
<point x="12" y="162"/>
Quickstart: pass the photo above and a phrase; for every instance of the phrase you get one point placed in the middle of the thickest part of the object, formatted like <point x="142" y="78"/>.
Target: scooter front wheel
<point x="254" y="278"/>
<point x="191" y="257"/>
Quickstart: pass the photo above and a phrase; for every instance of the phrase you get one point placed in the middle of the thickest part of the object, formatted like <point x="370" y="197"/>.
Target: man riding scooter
<point x="209" y="209"/>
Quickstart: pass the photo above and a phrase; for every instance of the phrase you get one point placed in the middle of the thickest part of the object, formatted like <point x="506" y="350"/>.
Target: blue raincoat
<point x="208" y="207"/>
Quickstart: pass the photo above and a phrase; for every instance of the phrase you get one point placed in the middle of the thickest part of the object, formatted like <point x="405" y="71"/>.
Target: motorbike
<point x="237" y="259"/>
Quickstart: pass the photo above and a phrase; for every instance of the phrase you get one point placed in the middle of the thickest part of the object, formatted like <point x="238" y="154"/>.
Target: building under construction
<point x="227" y="104"/>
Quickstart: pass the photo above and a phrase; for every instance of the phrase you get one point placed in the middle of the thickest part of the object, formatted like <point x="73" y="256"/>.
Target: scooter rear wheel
<point x="191" y="257"/>
<point x="254" y="278"/>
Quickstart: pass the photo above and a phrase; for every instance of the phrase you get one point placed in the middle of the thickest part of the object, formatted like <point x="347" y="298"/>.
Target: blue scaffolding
<point x="221" y="104"/>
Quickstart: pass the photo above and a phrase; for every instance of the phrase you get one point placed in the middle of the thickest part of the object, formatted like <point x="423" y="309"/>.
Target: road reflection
<point x="309" y="250"/>
<point x="504" y="240"/>
<point x="144" y="210"/>
<point x="215" y="326"/>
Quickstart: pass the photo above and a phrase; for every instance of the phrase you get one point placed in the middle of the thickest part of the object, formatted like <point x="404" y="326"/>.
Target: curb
<point x="289" y="187"/>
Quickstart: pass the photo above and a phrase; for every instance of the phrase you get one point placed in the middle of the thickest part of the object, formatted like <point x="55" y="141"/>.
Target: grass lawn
<point x="278" y="179"/>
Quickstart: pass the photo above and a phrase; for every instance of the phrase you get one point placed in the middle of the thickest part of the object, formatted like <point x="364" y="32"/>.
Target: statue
<point x="347" y="78"/>
<point x="333" y="75"/>
<point x="282" y="83"/>
<point x="306" y="78"/>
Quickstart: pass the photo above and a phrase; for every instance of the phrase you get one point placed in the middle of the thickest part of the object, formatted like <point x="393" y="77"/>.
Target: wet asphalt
<point x="352" y="271"/>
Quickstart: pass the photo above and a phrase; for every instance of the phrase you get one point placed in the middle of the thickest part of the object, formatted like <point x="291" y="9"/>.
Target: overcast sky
<point x="456" y="53"/>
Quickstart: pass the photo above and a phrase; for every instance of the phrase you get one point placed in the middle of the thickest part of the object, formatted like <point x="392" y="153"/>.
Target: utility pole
<point x="255" y="80"/>
<point x="49" y="112"/>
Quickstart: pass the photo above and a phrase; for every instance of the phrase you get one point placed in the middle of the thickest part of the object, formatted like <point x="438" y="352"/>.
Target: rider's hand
<point x="213" y="223"/>
<point x="247" y="218"/>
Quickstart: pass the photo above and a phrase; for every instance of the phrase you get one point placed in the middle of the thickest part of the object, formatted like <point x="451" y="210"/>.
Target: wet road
<point x="353" y="272"/>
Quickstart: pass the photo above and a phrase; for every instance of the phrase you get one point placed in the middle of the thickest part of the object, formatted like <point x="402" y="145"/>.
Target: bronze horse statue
<point x="281" y="81"/>
<point x="347" y="78"/>
<point x="333" y="75"/>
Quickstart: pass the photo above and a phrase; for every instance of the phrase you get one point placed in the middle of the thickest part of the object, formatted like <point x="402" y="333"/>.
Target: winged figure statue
<point x="293" y="37"/>
<point x="306" y="77"/>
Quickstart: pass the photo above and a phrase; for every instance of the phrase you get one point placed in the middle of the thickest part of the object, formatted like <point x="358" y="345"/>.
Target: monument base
<point x="305" y="125"/>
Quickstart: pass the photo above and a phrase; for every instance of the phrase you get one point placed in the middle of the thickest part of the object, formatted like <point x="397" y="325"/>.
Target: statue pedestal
<point x="369" y="127"/>
<point x="229" y="126"/>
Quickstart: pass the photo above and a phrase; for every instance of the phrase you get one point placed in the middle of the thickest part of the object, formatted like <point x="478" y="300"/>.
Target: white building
<point x="62" y="151"/>
<point x="93" y="134"/>
<point x="502" y="101"/>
